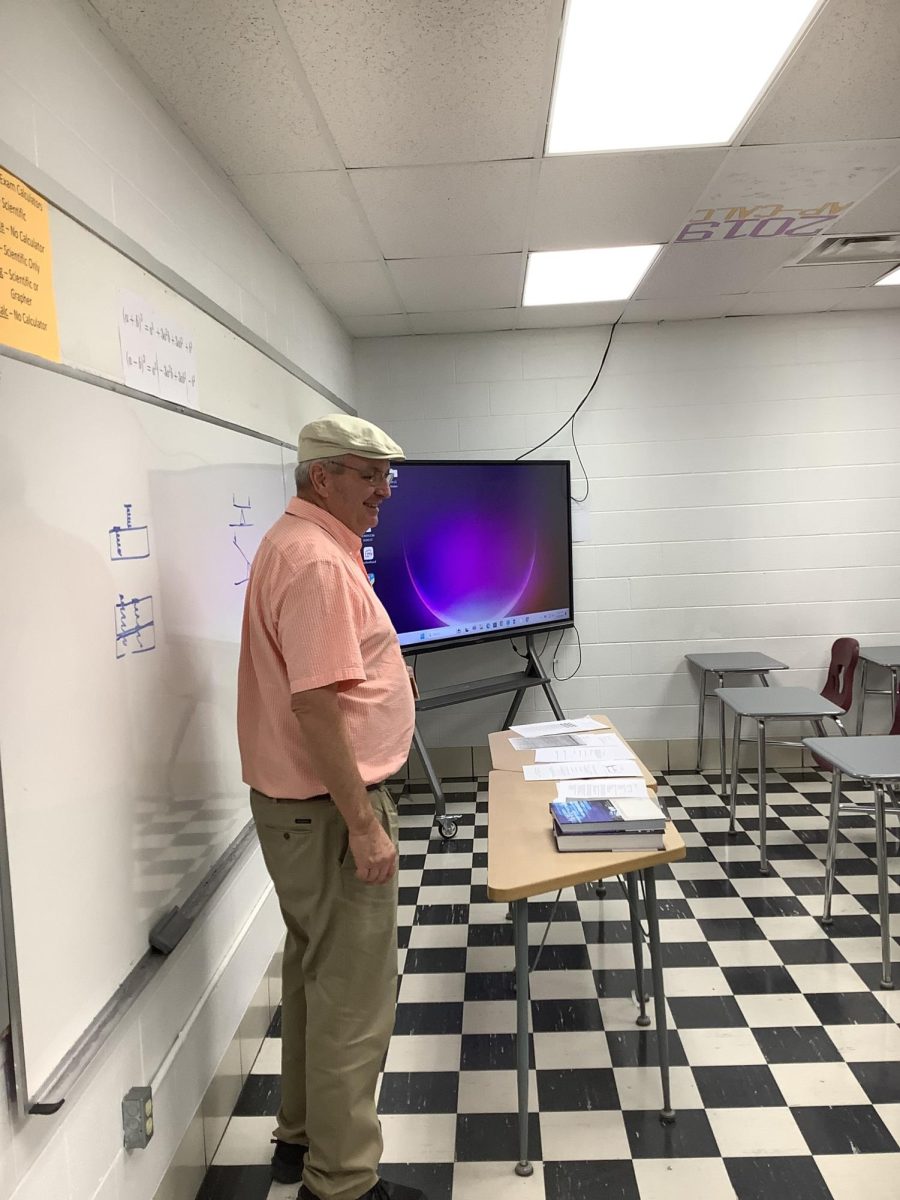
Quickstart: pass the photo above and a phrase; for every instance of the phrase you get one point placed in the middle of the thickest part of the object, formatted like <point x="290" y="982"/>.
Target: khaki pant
<point x="339" y="988"/>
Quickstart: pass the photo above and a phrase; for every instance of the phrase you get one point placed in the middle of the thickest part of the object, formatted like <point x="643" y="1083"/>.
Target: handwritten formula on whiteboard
<point x="158" y="356"/>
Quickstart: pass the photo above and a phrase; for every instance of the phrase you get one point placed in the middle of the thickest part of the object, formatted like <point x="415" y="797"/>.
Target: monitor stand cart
<point x="534" y="675"/>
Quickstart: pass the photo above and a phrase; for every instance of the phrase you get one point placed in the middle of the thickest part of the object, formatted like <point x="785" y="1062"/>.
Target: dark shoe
<point x="383" y="1190"/>
<point x="287" y="1161"/>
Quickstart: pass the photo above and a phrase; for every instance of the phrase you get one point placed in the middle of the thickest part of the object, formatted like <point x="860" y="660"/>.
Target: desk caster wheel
<point x="447" y="828"/>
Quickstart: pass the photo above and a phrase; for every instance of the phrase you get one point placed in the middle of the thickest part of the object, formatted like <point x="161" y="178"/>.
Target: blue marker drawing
<point x="243" y="509"/>
<point x="238" y="582"/>
<point x="129" y="541"/>
<point x="243" y="523"/>
<point x="135" y="629"/>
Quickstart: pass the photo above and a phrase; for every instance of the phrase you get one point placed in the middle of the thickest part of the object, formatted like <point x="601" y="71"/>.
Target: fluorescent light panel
<point x="635" y="74"/>
<point x="892" y="279"/>
<point x="585" y="276"/>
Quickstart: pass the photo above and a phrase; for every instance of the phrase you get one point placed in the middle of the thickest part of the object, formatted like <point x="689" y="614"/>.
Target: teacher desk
<point x="523" y="861"/>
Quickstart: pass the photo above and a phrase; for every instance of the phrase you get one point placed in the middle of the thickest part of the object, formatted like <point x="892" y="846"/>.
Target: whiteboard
<point x="126" y="534"/>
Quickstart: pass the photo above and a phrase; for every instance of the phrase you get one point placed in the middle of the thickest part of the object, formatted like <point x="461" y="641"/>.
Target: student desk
<point x="505" y="758"/>
<point x="720" y="665"/>
<point x="762" y="705"/>
<point x="523" y="861"/>
<point x="876" y="761"/>
<point x="888" y="659"/>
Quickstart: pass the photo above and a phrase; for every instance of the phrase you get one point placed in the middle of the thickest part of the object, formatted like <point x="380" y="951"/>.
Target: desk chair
<point x="789" y="703"/>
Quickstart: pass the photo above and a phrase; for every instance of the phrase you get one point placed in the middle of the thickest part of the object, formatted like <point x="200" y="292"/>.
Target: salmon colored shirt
<point x="311" y="619"/>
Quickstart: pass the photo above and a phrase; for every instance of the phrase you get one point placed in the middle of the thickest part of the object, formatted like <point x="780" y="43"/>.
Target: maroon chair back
<point x="839" y="684"/>
<point x="895" y="728"/>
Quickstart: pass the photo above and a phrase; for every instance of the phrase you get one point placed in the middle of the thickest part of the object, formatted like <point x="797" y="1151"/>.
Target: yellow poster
<point x="27" y="303"/>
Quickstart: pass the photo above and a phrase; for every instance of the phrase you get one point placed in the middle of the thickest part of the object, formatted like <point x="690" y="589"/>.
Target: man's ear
<point x="318" y="476"/>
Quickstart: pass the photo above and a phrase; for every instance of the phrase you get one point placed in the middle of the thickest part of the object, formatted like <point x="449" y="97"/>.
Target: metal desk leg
<point x="634" y="914"/>
<point x="722" y="738"/>
<point x="884" y="909"/>
<point x="831" y="855"/>
<point x="735" y="755"/>
<point x="520" y="933"/>
<point x="700" y="718"/>
<point x="761" y="789"/>
<point x="863" y="672"/>
<point x="667" y="1113"/>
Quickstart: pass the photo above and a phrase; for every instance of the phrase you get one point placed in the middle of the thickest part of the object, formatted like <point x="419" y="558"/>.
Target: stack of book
<point x="602" y="823"/>
<point x="602" y="798"/>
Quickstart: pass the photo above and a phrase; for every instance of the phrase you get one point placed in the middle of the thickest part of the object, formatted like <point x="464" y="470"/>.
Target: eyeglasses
<point x="374" y="478"/>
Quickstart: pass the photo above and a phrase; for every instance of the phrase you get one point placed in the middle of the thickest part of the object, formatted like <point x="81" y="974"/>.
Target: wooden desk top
<point x="504" y="758"/>
<point x="522" y="856"/>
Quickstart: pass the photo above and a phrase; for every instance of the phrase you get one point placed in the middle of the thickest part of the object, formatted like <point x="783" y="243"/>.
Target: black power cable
<point x="571" y="421"/>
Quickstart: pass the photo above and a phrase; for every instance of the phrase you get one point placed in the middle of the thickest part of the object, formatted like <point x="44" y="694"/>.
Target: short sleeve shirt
<point x="311" y="619"/>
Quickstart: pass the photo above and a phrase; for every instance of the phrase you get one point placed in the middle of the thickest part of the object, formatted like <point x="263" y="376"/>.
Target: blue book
<point x="607" y="816"/>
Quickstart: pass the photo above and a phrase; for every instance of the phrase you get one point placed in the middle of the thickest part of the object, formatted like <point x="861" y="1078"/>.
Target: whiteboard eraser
<point x="169" y="930"/>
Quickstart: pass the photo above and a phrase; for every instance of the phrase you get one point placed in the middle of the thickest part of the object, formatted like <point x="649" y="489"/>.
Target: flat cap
<point x="329" y="437"/>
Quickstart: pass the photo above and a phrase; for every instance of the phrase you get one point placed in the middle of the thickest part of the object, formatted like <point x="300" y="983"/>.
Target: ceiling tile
<point x="618" y="199"/>
<point x="681" y="309"/>
<point x="878" y="213"/>
<point x="806" y="279"/>
<point x="478" y="321"/>
<point x="562" y="316"/>
<point x="795" y="178"/>
<point x="389" y="325"/>
<point x="405" y="82"/>
<point x="471" y="282"/>
<point x="427" y="212"/>
<point x="767" y="303"/>
<point x="219" y="65"/>
<point x="309" y="215"/>
<point x="354" y="289"/>
<point x="871" y="297"/>
<point x="714" y="268"/>
<point x="842" y="82"/>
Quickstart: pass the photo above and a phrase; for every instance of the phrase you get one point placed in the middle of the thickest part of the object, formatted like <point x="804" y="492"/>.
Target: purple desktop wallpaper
<point x="460" y="544"/>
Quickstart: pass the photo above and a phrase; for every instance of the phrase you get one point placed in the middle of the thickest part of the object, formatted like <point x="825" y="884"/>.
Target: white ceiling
<point x="394" y="150"/>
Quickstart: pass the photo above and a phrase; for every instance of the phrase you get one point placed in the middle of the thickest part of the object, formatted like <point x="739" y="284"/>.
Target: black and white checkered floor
<point x="785" y="1050"/>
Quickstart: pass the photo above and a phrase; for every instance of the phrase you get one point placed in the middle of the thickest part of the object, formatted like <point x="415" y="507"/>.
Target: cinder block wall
<point x="744" y="494"/>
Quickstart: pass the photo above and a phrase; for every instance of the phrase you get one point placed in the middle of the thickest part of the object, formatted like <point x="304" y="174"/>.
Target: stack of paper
<point x="590" y="763"/>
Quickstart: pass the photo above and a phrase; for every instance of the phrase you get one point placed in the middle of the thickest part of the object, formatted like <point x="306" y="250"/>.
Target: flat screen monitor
<point x="469" y="551"/>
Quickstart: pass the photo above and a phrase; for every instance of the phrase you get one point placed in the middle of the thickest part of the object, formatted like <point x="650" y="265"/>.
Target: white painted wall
<point x="744" y="491"/>
<point x="71" y="106"/>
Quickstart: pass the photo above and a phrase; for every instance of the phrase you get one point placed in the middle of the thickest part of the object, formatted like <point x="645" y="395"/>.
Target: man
<point x="325" y="716"/>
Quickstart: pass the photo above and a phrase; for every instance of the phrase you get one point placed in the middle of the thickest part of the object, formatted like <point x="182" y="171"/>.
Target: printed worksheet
<point x="551" y="739"/>
<point x="602" y="789"/>
<point x="603" y="740"/>
<point x="581" y="754"/>
<point x="542" y="728"/>
<point x="615" y="768"/>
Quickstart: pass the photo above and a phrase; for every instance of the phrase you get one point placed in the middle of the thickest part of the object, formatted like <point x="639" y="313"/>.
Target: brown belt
<point x="370" y="787"/>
